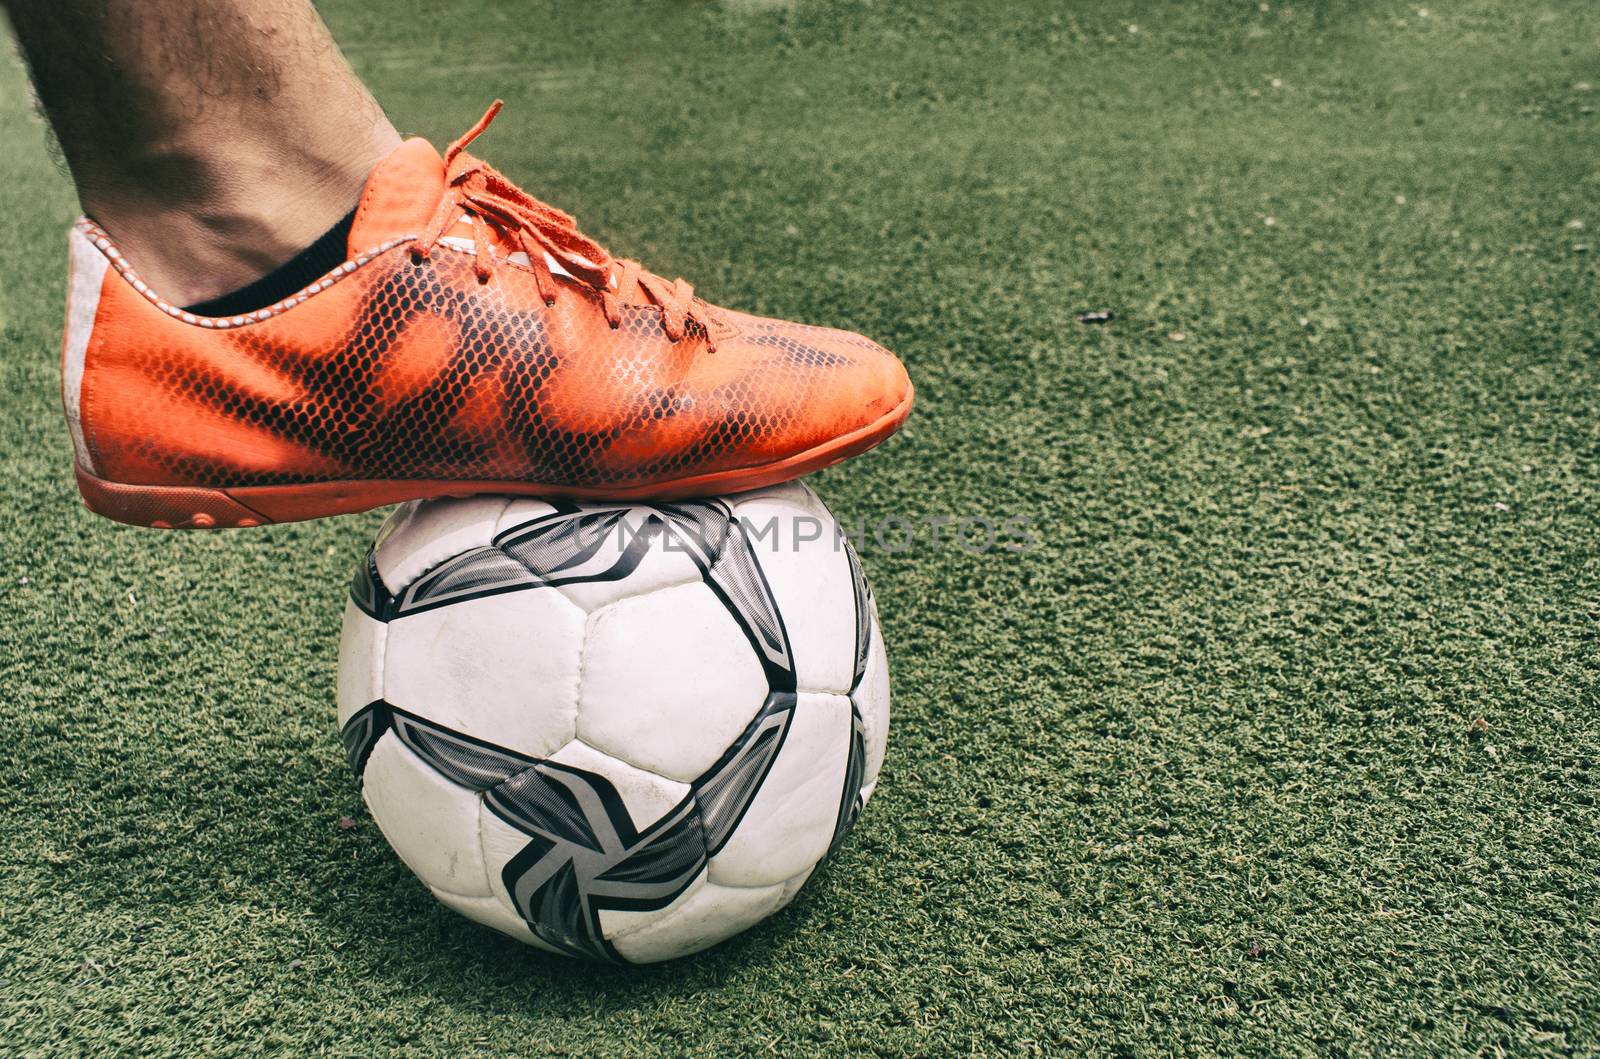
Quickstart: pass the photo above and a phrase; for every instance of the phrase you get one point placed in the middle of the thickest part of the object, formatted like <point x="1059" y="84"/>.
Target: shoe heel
<point x="164" y="507"/>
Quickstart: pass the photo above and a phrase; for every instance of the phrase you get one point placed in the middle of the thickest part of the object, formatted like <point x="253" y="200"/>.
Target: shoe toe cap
<point x="845" y="381"/>
<point x="836" y="384"/>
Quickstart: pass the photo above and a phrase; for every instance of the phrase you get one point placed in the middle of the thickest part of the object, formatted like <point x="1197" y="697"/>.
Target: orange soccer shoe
<point x="474" y="342"/>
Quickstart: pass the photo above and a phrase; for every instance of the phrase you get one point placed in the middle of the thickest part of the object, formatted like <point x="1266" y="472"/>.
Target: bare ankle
<point x="196" y="227"/>
<point x="213" y="139"/>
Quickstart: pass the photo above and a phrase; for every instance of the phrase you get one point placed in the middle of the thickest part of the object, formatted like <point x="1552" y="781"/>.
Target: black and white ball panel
<point x="871" y="698"/>
<point x="789" y="825"/>
<point x="796" y="542"/>
<point x="668" y="681"/>
<point x="503" y="668"/>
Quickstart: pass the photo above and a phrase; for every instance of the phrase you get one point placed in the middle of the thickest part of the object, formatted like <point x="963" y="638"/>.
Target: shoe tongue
<point x="401" y="196"/>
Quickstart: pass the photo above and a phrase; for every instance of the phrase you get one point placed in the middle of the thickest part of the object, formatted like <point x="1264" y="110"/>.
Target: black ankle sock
<point x="302" y="270"/>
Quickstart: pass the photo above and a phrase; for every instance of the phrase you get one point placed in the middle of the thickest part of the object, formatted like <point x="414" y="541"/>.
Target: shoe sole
<point x="198" y="507"/>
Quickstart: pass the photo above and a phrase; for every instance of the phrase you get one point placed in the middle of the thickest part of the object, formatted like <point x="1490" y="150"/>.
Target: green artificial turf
<point x="1282" y="740"/>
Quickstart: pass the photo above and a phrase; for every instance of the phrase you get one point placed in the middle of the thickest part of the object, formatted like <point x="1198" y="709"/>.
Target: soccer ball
<point x="623" y="731"/>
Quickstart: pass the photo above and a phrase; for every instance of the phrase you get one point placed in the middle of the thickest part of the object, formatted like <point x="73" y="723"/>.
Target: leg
<point x="213" y="139"/>
<point x="473" y="339"/>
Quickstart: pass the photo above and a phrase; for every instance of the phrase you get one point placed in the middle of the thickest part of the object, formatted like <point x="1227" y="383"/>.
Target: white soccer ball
<point x="624" y="731"/>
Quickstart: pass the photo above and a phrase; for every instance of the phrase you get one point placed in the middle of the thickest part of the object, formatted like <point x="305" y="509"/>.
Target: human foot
<point x="474" y="342"/>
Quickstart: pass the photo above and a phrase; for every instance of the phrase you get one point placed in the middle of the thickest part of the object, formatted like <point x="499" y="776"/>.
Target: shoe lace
<point x="482" y="195"/>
